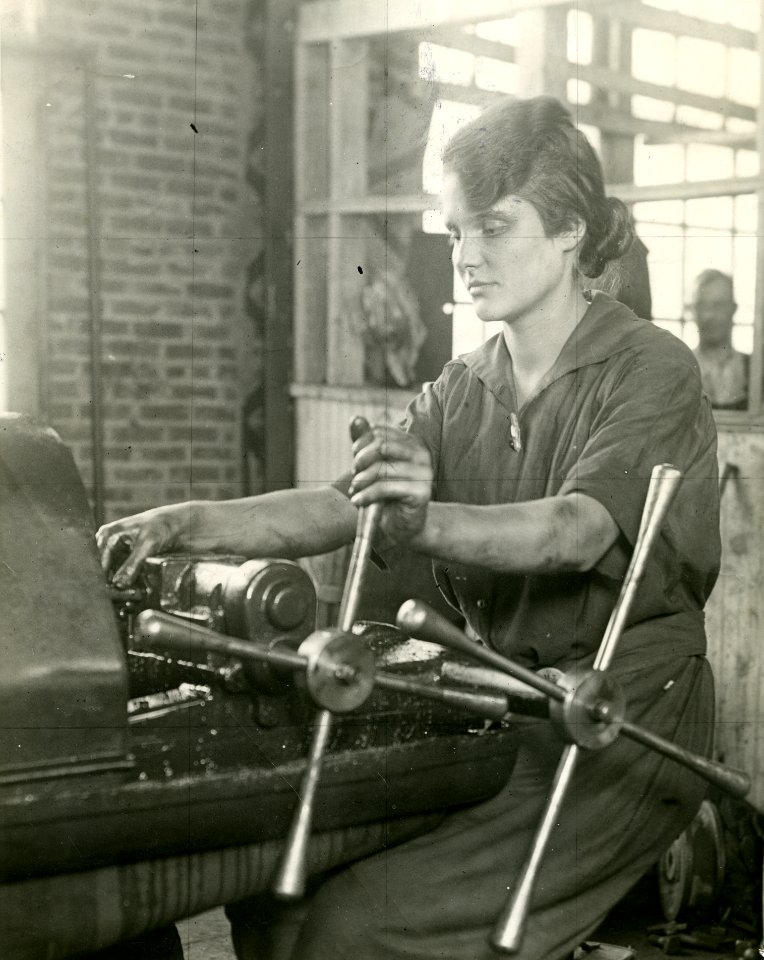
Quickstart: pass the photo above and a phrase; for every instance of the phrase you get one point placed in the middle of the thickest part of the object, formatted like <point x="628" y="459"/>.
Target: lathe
<point x="192" y="740"/>
<point x="140" y="786"/>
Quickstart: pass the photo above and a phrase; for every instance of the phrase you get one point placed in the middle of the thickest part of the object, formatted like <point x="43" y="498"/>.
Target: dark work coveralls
<point x="622" y="396"/>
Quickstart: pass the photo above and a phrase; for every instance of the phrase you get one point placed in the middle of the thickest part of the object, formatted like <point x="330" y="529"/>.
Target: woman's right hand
<point x="144" y="534"/>
<point x="394" y="468"/>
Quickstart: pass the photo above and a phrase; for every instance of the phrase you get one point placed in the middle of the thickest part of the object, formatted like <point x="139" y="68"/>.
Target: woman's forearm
<point x="555" y="534"/>
<point x="287" y="523"/>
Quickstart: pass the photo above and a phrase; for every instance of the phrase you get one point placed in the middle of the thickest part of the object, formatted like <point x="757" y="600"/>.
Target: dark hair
<point x="710" y="275"/>
<point x="532" y="149"/>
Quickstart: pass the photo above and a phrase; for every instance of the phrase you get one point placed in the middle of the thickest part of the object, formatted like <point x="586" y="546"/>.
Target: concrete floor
<point x="206" y="937"/>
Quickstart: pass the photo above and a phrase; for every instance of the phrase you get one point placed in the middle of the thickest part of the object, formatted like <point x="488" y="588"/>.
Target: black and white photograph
<point x="381" y="479"/>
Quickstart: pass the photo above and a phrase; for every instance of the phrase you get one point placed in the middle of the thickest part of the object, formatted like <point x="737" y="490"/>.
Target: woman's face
<point x="508" y="264"/>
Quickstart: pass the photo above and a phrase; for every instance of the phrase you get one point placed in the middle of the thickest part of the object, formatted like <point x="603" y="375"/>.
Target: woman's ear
<point x="572" y="235"/>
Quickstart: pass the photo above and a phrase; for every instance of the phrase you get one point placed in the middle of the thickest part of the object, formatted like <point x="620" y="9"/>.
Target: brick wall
<point x="177" y="109"/>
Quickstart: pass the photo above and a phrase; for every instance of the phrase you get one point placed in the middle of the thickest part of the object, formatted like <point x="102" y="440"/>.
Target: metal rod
<point x="488" y="677"/>
<point x="418" y="620"/>
<point x="508" y="933"/>
<point x="161" y="630"/>
<point x="492" y="705"/>
<point x="735" y="782"/>
<point x="664" y="485"/>
<point x="521" y="698"/>
<point x="368" y="519"/>
<point x="291" y="876"/>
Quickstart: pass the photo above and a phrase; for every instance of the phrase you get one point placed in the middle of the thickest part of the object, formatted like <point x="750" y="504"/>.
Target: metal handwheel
<point x="589" y="714"/>
<point x="340" y="675"/>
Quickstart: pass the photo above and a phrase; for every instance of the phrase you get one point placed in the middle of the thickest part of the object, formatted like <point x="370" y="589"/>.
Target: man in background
<point x="723" y="369"/>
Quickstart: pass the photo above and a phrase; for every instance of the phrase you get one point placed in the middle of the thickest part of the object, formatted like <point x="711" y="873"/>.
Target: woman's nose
<point x="466" y="253"/>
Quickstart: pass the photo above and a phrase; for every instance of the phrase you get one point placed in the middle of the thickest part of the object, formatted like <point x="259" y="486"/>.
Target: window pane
<point x="491" y="74"/>
<point x="710" y="212"/>
<point x="664" y="261"/>
<point x="706" y="249"/>
<point x="667" y="299"/>
<point x="742" y="338"/>
<point x="738" y="125"/>
<point x="447" y="117"/>
<point x="746" y="213"/>
<point x="653" y="55"/>
<point x="593" y="135"/>
<point x="433" y="222"/>
<point x="657" y="213"/>
<point x="746" y="163"/>
<point x="743" y="13"/>
<point x="694" y="117"/>
<point x="706" y="161"/>
<point x="701" y="66"/>
<point x="743" y="81"/>
<point x="658" y="163"/>
<point x="502" y="31"/>
<point x="579" y="91"/>
<point x="445" y="65"/>
<point x="579" y="37"/>
<point x="648" y="108"/>
<point x="744" y="277"/>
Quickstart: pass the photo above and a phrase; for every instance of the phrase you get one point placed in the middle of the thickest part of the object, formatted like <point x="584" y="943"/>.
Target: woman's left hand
<point x="394" y="468"/>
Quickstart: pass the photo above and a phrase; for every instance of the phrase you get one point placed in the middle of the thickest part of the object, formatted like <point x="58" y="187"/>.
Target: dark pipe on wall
<point x="95" y="327"/>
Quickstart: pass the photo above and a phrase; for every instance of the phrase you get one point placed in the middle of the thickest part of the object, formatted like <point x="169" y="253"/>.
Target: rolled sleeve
<point x="424" y="419"/>
<point x="656" y="413"/>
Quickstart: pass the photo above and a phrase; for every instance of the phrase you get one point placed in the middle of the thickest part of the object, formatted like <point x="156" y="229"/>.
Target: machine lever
<point x="736" y="783"/>
<point x="664" y="486"/>
<point x="368" y="521"/>
<point x="291" y="875"/>
<point x="162" y="631"/>
<point x="416" y="619"/>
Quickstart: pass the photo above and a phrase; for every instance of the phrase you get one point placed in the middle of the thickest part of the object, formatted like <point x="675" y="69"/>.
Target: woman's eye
<point x="453" y="236"/>
<point x="492" y="228"/>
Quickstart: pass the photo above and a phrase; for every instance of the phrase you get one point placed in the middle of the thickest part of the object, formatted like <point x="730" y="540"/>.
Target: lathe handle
<point x="155" y="630"/>
<point x="736" y="783"/>
<point x="507" y="936"/>
<point x="366" y="527"/>
<point x="291" y="875"/>
<point x="664" y="486"/>
<point x="416" y="619"/>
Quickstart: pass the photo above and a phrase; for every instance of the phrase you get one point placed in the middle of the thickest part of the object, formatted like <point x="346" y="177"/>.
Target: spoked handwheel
<point x="589" y="711"/>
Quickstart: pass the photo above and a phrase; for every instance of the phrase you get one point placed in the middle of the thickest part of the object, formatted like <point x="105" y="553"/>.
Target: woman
<point x="522" y="472"/>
